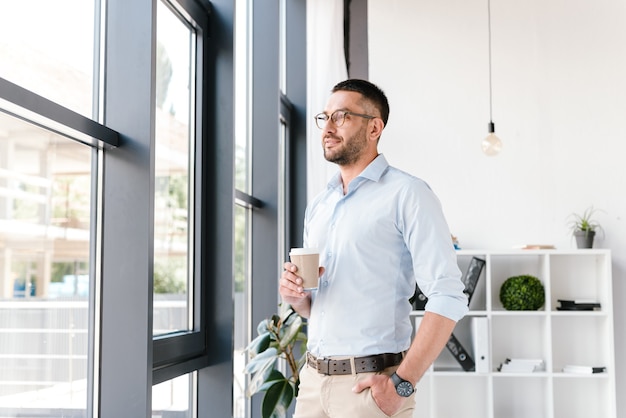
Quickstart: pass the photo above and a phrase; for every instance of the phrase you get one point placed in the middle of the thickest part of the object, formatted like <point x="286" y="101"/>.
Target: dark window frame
<point x="33" y="108"/>
<point x="179" y="353"/>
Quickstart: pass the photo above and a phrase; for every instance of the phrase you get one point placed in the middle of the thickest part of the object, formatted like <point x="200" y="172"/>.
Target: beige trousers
<point x="322" y="396"/>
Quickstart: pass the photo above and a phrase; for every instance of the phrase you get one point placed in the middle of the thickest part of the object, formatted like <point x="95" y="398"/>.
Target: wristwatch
<point x="404" y="388"/>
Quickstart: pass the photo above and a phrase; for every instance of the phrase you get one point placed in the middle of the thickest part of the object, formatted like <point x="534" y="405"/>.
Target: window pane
<point x="242" y="240"/>
<point x="45" y="212"/>
<point x="242" y="178"/>
<point x="241" y="255"/>
<point x="282" y="46"/>
<point x="173" y="218"/>
<point x="174" y="398"/>
<point x="48" y="47"/>
<point x="283" y="190"/>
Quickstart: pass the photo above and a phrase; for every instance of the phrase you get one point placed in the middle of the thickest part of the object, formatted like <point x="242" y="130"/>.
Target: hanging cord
<point x="489" y="32"/>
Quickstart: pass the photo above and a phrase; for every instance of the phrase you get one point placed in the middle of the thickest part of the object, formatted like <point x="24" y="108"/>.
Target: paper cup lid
<point x="304" y="251"/>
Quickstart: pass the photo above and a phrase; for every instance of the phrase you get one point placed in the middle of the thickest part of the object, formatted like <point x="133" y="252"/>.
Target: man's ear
<point x="376" y="128"/>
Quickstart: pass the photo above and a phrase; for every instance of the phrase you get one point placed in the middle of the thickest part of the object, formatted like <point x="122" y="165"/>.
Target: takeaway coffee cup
<point x="308" y="261"/>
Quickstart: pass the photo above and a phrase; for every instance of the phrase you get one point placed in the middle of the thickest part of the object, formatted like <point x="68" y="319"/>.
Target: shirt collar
<point x="374" y="171"/>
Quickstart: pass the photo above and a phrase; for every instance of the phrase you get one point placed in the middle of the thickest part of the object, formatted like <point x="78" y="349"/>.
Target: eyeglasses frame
<point x="345" y="112"/>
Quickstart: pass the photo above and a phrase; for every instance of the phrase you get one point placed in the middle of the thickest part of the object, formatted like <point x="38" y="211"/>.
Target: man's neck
<point x="351" y="171"/>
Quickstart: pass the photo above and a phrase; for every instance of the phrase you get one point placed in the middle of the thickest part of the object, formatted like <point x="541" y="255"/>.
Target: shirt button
<point x="325" y="283"/>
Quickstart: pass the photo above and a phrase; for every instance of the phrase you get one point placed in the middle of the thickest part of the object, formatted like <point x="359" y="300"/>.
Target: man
<point x="380" y="231"/>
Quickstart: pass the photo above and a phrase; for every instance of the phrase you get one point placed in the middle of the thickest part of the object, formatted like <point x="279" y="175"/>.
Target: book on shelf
<point x="536" y="247"/>
<point x="519" y="365"/>
<point x="576" y="369"/>
<point x="578" y="305"/>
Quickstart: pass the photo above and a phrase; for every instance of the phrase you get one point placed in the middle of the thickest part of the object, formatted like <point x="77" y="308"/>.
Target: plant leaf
<point x="277" y="400"/>
<point x="257" y="382"/>
<point x="274" y="377"/>
<point x="263" y="327"/>
<point x="259" y="344"/>
<point x="262" y="370"/>
<point x="285" y="312"/>
<point x="259" y="362"/>
<point x="291" y="332"/>
<point x="302" y="359"/>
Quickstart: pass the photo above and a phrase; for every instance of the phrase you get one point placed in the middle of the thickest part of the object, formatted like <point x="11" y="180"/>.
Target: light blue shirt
<point x="387" y="233"/>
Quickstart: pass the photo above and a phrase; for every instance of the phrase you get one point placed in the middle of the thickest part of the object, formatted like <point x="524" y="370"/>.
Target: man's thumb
<point x="361" y="385"/>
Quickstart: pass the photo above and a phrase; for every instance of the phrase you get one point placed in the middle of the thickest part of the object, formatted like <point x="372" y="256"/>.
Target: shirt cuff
<point x="448" y="306"/>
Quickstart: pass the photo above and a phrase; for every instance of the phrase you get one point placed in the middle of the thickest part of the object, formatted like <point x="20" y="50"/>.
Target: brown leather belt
<point x="374" y="363"/>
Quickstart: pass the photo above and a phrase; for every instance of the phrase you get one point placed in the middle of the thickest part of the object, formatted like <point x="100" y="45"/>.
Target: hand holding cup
<point x="307" y="260"/>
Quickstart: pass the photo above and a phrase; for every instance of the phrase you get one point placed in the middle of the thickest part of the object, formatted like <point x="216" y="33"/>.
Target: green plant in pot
<point x="280" y="340"/>
<point x="583" y="227"/>
<point x="522" y="293"/>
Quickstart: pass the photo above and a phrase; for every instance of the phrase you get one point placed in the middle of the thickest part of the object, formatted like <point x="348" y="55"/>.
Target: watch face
<point x="404" y="389"/>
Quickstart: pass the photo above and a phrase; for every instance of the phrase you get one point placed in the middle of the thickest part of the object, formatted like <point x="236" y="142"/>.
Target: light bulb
<point x="491" y="145"/>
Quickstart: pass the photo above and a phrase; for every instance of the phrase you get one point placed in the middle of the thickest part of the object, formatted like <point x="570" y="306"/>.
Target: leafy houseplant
<point x="584" y="227"/>
<point x="522" y="293"/>
<point x="277" y="340"/>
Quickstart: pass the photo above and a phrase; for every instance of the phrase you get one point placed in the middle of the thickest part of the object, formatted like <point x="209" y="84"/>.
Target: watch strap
<point x="396" y="379"/>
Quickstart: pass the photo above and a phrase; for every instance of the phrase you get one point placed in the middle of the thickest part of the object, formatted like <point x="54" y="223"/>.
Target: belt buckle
<point x="323" y="364"/>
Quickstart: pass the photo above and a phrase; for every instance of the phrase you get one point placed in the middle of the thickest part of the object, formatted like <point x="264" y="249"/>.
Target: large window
<point x="102" y="249"/>
<point x="174" y="174"/>
<point x="117" y="229"/>
<point x="180" y="195"/>
<point x="45" y="242"/>
<point x="244" y="204"/>
<point x="49" y="173"/>
<point x="266" y="36"/>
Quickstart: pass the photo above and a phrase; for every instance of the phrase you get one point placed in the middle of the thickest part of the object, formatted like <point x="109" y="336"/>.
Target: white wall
<point x="559" y="105"/>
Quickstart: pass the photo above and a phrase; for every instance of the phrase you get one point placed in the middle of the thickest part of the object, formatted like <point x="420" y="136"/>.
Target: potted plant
<point x="584" y="227"/>
<point x="280" y="340"/>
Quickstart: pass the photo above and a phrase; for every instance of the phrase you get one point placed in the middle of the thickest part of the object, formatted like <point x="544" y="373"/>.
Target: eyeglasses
<point x="338" y="117"/>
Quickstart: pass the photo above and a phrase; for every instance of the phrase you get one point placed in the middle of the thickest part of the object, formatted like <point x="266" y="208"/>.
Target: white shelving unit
<point x="557" y="337"/>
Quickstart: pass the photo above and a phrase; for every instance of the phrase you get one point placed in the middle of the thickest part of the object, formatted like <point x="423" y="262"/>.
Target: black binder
<point x="469" y="279"/>
<point x="460" y="354"/>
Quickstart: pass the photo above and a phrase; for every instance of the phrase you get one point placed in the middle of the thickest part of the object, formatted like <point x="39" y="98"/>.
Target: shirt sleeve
<point x="432" y="251"/>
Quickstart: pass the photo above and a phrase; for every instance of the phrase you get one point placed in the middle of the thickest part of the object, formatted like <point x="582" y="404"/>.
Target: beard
<point x="348" y="151"/>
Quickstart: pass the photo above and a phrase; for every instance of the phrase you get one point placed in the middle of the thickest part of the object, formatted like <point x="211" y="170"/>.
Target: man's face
<point x="344" y="144"/>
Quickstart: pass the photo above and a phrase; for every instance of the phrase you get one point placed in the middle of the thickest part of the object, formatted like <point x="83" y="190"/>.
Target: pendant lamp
<point x="491" y="145"/>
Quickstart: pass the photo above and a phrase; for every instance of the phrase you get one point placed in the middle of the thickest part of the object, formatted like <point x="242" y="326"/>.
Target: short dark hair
<point x="369" y="91"/>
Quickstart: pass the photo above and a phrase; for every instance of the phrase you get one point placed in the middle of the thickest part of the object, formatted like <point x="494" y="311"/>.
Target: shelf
<point x="557" y="337"/>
